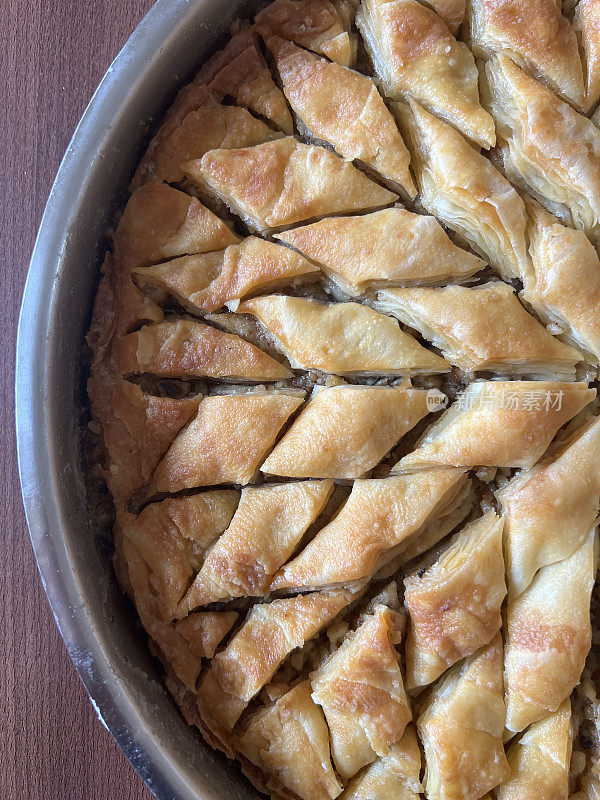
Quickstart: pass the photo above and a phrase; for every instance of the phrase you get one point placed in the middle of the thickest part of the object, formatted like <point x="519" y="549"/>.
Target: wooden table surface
<point x="53" y="53"/>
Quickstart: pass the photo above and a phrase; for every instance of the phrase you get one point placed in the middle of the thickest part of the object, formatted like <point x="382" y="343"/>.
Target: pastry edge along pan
<point x="97" y="626"/>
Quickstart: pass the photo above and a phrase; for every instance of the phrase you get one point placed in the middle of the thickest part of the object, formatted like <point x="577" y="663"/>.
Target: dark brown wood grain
<point x="53" y="53"/>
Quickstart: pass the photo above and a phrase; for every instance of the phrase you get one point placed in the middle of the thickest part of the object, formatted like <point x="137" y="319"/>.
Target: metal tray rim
<point x="35" y="425"/>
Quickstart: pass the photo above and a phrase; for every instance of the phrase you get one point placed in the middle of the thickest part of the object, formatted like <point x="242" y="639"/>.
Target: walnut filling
<point x="353" y="444"/>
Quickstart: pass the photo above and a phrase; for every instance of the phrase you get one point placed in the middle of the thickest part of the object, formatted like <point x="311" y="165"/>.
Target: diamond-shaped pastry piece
<point x="391" y="247"/>
<point x="241" y="72"/>
<point x="343" y="108"/>
<point x="482" y="328"/>
<point x="540" y="760"/>
<point x="138" y="430"/>
<point x="454" y="604"/>
<point x="342" y="338"/>
<point x="183" y="647"/>
<point x="269" y="634"/>
<point x="550" y="508"/>
<point x="466" y="192"/>
<point x="173" y="536"/>
<point x="564" y="286"/>
<point x="394" y="775"/>
<point x="210" y="281"/>
<point x="461" y="727"/>
<point x="280" y="183"/>
<point x="345" y="431"/>
<point x="548" y="636"/>
<point x="160" y="222"/>
<point x="546" y="145"/>
<point x="319" y="25"/>
<point x="498" y="423"/>
<point x="186" y="349"/>
<point x="226" y="441"/>
<point x="274" y="736"/>
<point x="415" y="55"/>
<point x="362" y="694"/>
<point x="205" y="128"/>
<point x="534" y="34"/>
<point x="266" y="529"/>
<point x="381" y="521"/>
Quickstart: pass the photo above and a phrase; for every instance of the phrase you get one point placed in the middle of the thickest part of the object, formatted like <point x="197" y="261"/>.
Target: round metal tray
<point x="96" y="623"/>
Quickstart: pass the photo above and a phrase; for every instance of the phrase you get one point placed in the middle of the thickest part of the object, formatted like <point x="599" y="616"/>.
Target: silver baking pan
<point x="72" y="547"/>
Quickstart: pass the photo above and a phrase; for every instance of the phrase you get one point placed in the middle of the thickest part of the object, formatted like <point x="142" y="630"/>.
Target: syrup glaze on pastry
<point x="352" y="440"/>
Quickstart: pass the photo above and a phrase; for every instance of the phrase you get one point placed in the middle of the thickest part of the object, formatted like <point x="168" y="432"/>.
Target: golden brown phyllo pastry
<point x="343" y="108"/>
<point x="498" y="424"/>
<point x="548" y="636"/>
<point x="342" y="338"/>
<point x="210" y="281"/>
<point x="345" y="431"/>
<point x="539" y="761"/>
<point x="319" y="25"/>
<point x="352" y="442"/>
<point x="465" y="191"/>
<point x="392" y="247"/>
<point x="226" y="440"/>
<point x="454" y="605"/>
<point x="361" y="692"/>
<point x="549" y="509"/>
<point x="267" y="526"/>
<point x="415" y="55"/>
<point x="394" y="775"/>
<point x="545" y="145"/>
<point x="461" y="727"/>
<point x="383" y="520"/>
<point x="483" y="328"/>
<point x="535" y="35"/>
<point x="564" y="285"/>
<point x="280" y="183"/>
